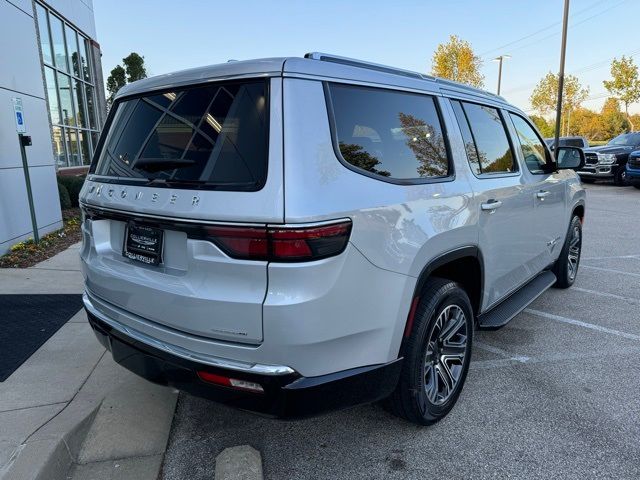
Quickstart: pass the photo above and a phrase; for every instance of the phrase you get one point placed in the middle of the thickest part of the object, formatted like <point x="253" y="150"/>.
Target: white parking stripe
<point x="608" y="295"/>
<point x="580" y="323"/>
<point x="611" y="270"/>
<point x="498" y="351"/>
<point x="611" y="258"/>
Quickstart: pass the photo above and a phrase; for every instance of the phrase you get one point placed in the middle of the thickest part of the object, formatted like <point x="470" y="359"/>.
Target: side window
<point x="469" y="143"/>
<point x="485" y="137"/>
<point x="532" y="147"/>
<point x="389" y="134"/>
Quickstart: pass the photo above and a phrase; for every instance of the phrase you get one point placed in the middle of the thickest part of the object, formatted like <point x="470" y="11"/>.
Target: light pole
<point x="563" y="48"/>
<point x="499" y="60"/>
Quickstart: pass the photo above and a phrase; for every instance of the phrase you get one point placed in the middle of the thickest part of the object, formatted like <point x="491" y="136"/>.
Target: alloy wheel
<point x="574" y="253"/>
<point x="445" y="355"/>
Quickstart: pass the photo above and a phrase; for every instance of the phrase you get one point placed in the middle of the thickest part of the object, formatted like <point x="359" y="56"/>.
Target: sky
<point x="174" y="35"/>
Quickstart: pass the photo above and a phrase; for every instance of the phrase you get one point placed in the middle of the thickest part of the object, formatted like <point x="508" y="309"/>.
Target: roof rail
<point x="468" y="88"/>
<point x="326" y="57"/>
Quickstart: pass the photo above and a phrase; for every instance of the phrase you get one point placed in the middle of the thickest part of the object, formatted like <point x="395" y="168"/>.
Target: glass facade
<point x="70" y="88"/>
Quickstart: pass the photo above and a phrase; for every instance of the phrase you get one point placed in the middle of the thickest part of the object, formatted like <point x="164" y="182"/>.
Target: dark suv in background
<point x="573" y="141"/>
<point x="633" y="169"/>
<point x="609" y="161"/>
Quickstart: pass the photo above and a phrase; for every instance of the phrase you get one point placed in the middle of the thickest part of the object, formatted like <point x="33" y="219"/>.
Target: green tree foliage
<point x="134" y="65"/>
<point x="545" y="95"/>
<point x="116" y="80"/>
<point x="134" y="69"/>
<point x="624" y="83"/>
<point x="456" y="60"/>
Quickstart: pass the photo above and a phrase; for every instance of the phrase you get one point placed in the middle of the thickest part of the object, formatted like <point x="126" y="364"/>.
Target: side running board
<point x="502" y="313"/>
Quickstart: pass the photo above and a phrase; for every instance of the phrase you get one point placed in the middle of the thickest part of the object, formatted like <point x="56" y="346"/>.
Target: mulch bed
<point x="27" y="253"/>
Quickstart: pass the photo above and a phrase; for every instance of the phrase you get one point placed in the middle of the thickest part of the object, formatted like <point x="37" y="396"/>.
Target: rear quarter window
<point x="389" y="135"/>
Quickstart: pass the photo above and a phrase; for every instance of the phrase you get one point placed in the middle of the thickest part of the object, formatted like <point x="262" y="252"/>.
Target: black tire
<point x="439" y="299"/>
<point x="620" y="178"/>
<point x="566" y="267"/>
<point x="587" y="180"/>
<point x="637" y="185"/>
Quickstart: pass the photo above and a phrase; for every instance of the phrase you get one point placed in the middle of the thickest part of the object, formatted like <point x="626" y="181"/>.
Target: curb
<point x="49" y="455"/>
<point x="58" y="448"/>
<point x="239" y="463"/>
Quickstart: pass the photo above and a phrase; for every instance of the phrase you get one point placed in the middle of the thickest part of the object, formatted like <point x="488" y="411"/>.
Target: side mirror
<point x="569" y="158"/>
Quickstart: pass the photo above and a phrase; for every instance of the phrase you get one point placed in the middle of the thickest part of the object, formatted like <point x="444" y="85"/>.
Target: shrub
<point x="63" y="193"/>
<point x="73" y="185"/>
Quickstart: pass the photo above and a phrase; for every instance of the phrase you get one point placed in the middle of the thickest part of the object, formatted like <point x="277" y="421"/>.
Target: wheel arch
<point x="464" y="265"/>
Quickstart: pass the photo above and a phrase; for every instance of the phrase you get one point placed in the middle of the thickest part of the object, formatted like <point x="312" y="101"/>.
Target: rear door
<point x="547" y="192"/>
<point x="173" y="166"/>
<point x="504" y="206"/>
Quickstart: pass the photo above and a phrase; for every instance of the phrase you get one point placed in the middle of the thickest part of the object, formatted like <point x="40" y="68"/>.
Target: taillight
<point x="230" y="382"/>
<point x="281" y="244"/>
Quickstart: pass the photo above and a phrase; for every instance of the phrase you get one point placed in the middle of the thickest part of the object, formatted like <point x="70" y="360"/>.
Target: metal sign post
<point x="25" y="141"/>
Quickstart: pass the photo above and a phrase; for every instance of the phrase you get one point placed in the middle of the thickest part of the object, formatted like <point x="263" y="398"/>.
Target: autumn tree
<point x="614" y="122"/>
<point x="545" y="95"/>
<point x="624" y="83"/>
<point x="134" y="69"/>
<point x="456" y="60"/>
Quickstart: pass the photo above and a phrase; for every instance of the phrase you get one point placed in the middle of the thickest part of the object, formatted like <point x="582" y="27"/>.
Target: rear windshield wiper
<point x="160" y="164"/>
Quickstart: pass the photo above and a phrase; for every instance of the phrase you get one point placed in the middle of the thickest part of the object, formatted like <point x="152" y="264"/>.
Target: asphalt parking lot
<point x="554" y="394"/>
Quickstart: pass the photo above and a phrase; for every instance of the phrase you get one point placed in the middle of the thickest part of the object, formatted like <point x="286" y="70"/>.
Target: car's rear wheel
<point x="587" y="180"/>
<point x="436" y="354"/>
<point x="566" y="267"/>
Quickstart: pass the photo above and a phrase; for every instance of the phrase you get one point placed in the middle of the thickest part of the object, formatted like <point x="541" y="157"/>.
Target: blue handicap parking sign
<point x="19" y="118"/>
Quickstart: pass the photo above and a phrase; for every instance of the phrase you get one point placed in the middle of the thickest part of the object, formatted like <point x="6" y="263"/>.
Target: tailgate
<point x="170" y="165"/>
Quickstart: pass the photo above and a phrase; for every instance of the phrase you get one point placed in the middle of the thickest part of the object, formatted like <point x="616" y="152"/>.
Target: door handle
<point x="491" y="206"/>
<point x="542" y="194"/>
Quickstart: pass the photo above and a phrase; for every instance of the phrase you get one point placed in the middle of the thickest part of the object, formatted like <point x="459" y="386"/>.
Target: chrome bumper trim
<point x="225" y="363"/>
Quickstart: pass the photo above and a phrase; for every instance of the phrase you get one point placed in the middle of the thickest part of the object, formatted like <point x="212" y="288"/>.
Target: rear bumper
<point x="287" y="394"/>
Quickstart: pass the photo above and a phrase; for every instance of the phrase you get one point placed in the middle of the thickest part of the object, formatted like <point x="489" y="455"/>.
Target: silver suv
<point x="295" y="235"/>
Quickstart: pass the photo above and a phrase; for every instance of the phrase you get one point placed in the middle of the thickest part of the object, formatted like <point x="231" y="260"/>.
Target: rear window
<point x="388" y="134"/>
<point x="212" y="136"/>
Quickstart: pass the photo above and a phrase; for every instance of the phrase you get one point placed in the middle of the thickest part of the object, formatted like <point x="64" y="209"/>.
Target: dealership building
<point x="51" y="89"/>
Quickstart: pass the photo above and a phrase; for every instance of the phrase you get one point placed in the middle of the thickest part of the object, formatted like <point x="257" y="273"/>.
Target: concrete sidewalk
<point x="69" y="411"/>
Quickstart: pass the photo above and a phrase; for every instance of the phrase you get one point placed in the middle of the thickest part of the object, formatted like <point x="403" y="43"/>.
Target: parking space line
<point x="498" y="351"/>
<point x="637" y="257"/>
<point x="579" y="323"/>
<point x="611" y="270"/>
<point x="557" y="357"/>
<point x="608" y="295"/>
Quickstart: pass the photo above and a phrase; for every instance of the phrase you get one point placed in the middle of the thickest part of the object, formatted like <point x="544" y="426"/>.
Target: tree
<point x="456" y="60"/>
<point x="613" y="120"/>
<point x="116" y="80"/>
<point x="586" y="123"/>
<point x="133" y="70"/>
<point x="134" y="65"/>
<point x="624" y="83"/>
<point x="545" y="96"/>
